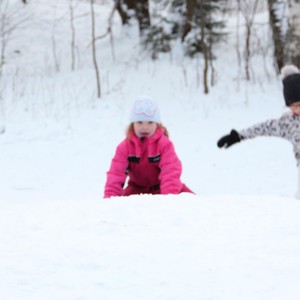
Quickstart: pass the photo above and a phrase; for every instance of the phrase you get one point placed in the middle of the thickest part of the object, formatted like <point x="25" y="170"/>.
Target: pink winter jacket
<point x="148" y="163"/>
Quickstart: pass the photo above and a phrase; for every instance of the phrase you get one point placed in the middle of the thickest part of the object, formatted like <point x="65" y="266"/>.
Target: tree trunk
<point x="293" y="35"/>
<point x="94" y="50"/>
<point x="190" y="7"/>
<point x="124" y="16"/>
<point x="247" y="52"/>
<point x="130" y="3"/>
<point x="141" y="8"/>
<point x="72" y="35"/>
<point x="274" y="20"/>
<point x="248" y="10"/>
<point x="205" y="48"/>
<point x="205" y="70"/>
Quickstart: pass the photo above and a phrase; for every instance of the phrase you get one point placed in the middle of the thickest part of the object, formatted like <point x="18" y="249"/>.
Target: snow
<point x="159" y="247"/>
<point x="237" y="238"/>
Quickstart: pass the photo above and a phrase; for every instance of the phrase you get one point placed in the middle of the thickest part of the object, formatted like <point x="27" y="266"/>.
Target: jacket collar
<point x="136" y="140"/>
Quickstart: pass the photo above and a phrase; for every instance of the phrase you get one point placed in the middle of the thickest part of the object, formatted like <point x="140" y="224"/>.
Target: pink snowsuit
<point x="151" y="164"/>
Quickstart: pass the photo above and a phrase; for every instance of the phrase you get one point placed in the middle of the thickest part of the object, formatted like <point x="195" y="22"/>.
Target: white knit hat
<point x="144" y="109"/>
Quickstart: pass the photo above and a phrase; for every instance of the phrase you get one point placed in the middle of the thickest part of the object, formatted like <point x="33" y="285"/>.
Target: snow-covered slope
<point x="237" y="238"/>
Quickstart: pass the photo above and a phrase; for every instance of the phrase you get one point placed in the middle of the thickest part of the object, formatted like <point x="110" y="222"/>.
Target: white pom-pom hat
<point x="144" y="109"/>
<point x="291" y="84"/>
<point x="289" y="70"/>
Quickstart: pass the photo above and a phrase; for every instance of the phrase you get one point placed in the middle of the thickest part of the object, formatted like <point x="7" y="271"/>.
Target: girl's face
<point x="144" y="129"/>
<point x="295" y="107"/>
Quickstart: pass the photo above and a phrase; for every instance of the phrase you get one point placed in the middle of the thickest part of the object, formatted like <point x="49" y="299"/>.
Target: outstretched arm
<point x="282" y="127"/>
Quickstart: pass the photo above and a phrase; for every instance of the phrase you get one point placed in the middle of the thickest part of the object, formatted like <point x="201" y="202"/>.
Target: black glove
<point x="230" y="139"/>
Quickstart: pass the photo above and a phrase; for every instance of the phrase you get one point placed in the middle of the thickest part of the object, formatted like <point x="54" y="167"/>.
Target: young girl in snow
<point x="287" y="126"/>
<point x="146" y="157"/>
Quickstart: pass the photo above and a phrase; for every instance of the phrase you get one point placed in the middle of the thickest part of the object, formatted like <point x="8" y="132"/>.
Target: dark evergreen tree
<point x="140" y="10"/>
<point x="202" y="28"/>
<point x="192" y="21"/>
<point x="165" y="27"/>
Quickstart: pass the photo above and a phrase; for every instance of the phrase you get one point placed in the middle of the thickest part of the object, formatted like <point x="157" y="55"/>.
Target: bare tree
<point x="205" y="49"/>
<point x="55" y="54"/>
<point x="4" y="32"/>
<point x="10" y="20"/>
<point x="94" y="50"/>
<point x="248" y="9"/>
<point x="71" y="6"/>
<point x="238" y="53"/>
<point x="109" y="30"/>
<point x="2" y="112"/>
<point x="55" y="49"/>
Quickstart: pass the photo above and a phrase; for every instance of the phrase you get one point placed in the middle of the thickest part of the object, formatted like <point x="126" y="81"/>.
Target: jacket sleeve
<point x="274" y="127"/>
<point x="116" y="175"/>
<point x="171" y="169"/>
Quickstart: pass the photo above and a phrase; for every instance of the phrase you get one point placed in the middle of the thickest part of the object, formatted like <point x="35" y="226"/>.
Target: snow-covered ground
<point x="237" y="238"/>
<point x="159" y="247"/>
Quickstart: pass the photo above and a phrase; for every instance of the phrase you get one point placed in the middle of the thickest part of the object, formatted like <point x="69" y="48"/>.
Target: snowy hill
<point x="237" y="238"/>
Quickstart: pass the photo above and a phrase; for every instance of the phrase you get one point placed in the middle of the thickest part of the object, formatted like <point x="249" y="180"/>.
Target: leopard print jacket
<point x="287" y="127"/>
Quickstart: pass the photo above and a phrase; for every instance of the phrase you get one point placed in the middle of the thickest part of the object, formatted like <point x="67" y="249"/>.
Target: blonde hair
<point x="130" y="130"/>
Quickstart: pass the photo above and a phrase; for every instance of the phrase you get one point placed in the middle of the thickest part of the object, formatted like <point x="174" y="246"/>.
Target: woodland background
<point x="70" y="71"/>
<point x="196" y="27"/>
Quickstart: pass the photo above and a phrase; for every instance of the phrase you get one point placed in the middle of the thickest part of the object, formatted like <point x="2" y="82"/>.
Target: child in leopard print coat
<point x="287" y="126"/>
